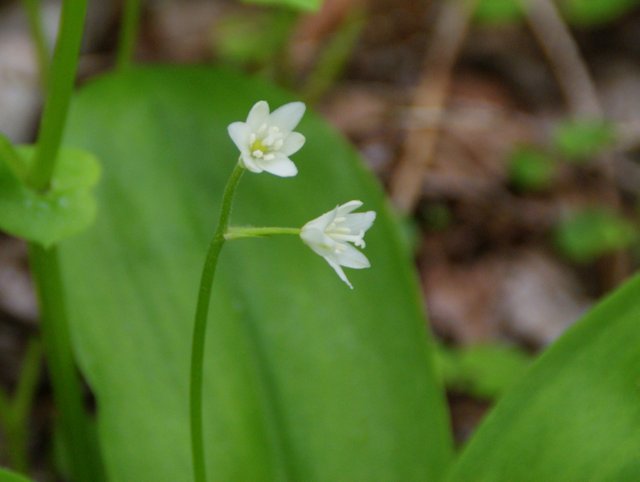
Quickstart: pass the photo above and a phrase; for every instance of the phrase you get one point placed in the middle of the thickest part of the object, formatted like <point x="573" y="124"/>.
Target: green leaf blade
<point x="7" y="476"/>
<point x="574" y="417"/>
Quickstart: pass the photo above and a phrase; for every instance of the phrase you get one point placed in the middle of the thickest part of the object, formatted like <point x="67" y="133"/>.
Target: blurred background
<point x="507" y="138"/>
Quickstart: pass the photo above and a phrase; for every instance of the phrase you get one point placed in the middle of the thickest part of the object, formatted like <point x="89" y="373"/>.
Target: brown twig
<point x="561" y="50"/>
<point x="431" y="94"/>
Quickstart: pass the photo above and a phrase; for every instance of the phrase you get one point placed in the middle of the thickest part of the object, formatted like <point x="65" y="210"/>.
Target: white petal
<point x="292" y="143"/>
<point x="258" y="115"/>
<point x="288" y="116"/>
<point x="239" y="133"/>
<point x="317" y="240"/>
<point x="321" y="222"/>
<point x="339" y="271"/>
<point x="360" y="222"/>
<point x="350" y="257"/>
<point x="249" y="163"/>
<point x="280" y="166"/>
<point x="347" y="207"/>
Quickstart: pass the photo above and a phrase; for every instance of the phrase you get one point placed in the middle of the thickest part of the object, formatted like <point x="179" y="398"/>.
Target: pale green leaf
<point x="64" y="210"/>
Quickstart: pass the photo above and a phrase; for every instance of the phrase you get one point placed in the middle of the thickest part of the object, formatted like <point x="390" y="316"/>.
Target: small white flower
<point x="330" y="235"/>
<point x="266" y="140"/>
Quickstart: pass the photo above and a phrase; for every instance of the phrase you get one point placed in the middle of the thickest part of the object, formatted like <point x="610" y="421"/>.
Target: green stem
<point x="200" y="327"/>
<point x="5" y="422"/>
<point x="61" y="81"/>
<point x="67" y="390"/>
<point x="238" y="232"/>
<point x="18" y="425"/>
<point x="23" y="398"/>
<point x="128" y="33"/>
<point x="32" y="8"/>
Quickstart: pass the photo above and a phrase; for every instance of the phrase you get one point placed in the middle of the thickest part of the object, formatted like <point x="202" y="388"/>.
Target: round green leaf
<point x="65" y="209"/>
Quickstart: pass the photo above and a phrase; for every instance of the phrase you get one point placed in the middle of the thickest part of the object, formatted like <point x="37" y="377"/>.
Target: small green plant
<point x="579" y="141"/>
<point x="583" y="13"/>
<point x="531" y="170"/>
<point x="497" y="12"/>
<point x="304" y="5"/>
<point x="593" y="232"/>
<point x="254" y="40"/>
<point x="595" y="12"/>
<point x="483" y="371"/>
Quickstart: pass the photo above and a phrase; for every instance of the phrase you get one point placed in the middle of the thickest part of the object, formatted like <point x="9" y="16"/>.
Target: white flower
<point x="266" y="140"/>
<point x="330" y="235"/>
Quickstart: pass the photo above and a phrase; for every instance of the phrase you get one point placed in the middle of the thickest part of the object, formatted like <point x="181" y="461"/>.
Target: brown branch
<point x="563" y="54"/>
<point x="431" y="94"/>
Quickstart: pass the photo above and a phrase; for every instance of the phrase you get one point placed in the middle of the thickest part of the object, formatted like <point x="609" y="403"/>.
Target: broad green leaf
<point x="67" y="208"/>
<point x="305" y="379"/>
<point x="7" y="476"/>
<point x="575" y="415"/>
<point x="593" y="232"/>
<point x="304" y="5"/>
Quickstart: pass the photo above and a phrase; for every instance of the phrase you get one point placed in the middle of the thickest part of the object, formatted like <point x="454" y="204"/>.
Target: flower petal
<point x="360" y="222"/>
<point x="258" y="115"/>
<point x="239" y="133"/>
<point x="339" y="272"/>
<point x="288" y="116"/>
<point x="292" y="143"/>
<point x="347" y="207"/>
<point x="280" y="166"/>
<point x="249" y="163"/>
<point x="321" y="222"/>
<point x="350" y="257"/>
<point x="317" y="240"/>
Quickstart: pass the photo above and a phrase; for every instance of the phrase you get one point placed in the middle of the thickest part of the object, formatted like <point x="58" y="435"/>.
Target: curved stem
<point x="67" y="389"/>
<point x="128" y="33"/>
<point x="32" y="8"/>
<point x="61" y="81"/>
<point x="200" y="327"/>
<point x="238" y="232"/>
